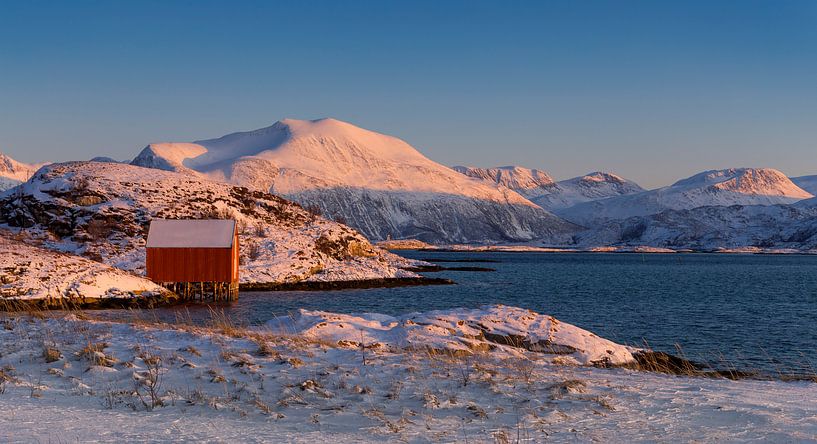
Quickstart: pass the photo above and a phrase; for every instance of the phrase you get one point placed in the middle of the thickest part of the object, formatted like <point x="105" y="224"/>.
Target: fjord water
<point x="748" y="311"/>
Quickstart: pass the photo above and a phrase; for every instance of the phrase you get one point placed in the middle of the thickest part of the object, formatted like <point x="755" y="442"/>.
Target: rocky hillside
<point x="102" y="211"/>
<point x="376" y="183"/>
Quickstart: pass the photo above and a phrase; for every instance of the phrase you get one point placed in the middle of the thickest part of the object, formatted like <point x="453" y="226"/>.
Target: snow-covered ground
<point x="102" y="211"/>
<point x="31" y="273"/>
<point x="459" y="331"/>
<point x="67" y="379"/>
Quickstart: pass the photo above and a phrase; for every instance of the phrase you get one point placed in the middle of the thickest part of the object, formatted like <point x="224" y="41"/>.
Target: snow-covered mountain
<point x="739" y="186"/>
<point x="590" y="187"/>
<point x="13" y="173"/>
<point x="541" y="189"/>
<point x="714" y="227"/>
<point x="525" y="181"/>
<point x="102" y="211"/>
<point x="808" y="183"/>
<point x="376" y="183"/>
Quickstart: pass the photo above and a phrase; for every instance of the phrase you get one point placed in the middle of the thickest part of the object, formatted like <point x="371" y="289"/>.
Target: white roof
<point x="165" y="233"/>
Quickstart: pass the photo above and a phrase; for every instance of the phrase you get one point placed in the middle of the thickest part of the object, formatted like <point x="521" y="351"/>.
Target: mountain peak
<point x="13" y="172"/>
<point x="724" y="188"/>
<point x="602" y="176"/>
<point x="542" y="190"/>
<point x="378" y="183"/>
<point x="517" y="178"/>
<point x="747" y="181"/>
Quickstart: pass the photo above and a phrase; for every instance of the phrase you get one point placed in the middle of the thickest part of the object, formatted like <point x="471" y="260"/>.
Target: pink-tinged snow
<point x="324" y="153"/>
<point x="13" y="173"/>
<point x="379" y="184"/>
<point x="29" y="273"/>
<point x="542" y="190"/>
<point x="283" y="236"/>
<point x="749" y="181"/>
<point x="736" y="186"/>
<point x="527" y="182"/>
<point x="264" y="388"/>
<point x="458" y="330"/>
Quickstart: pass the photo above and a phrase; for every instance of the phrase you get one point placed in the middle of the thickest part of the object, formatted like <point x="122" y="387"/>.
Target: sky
<point x="651" y="90"/>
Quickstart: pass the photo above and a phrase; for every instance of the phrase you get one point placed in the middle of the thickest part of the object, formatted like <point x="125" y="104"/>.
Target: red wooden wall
<point x="193" y="264"/>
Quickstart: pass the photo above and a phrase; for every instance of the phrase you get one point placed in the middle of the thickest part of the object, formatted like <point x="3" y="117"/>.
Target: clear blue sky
<point x="652" y="90"/>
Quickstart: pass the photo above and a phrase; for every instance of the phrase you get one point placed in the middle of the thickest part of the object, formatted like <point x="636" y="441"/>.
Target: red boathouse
<point x="194" y="257"/>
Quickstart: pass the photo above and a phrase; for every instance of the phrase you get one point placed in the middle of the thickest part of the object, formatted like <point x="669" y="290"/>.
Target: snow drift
<point x="31" y="273"/>
<point x="458" y="331"/>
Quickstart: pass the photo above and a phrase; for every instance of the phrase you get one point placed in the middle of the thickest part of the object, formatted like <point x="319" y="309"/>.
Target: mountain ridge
<point x="540" y="188"/>
<point x="733" y="186"/>
<point x="808" y="183"/>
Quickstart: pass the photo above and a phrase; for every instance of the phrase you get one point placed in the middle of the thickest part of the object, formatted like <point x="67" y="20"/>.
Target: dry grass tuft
<point x="51" y="354"/>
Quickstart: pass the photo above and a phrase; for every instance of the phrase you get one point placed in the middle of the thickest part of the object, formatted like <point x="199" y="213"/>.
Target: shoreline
<point x="147" y="302"/>
<point x="343" y="285"/>
<point x="546" y="250"/>
<point x="171" y="299"/>
<point x="439" y="268"/>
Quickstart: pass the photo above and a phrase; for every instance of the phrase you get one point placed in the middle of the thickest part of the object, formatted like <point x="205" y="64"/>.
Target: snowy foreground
<point x="71" y="379"/>
<point x="31" y="273"/>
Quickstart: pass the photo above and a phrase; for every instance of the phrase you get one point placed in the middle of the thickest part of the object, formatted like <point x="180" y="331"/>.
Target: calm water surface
<point x="752" y="311"/>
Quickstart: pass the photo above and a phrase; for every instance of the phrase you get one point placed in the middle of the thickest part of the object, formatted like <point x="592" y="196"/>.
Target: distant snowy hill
<point x="740" y="186"/>
<point x="102" y="211"/>
<point x="808" y="183"/>
<point x="106" y="159"/>
<point x="714" y="227"/>
<point x="376" y="183"/>
<point x="542" y="190"/>
<point x="590" y="187"/>
<point x="13" y="173"/>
